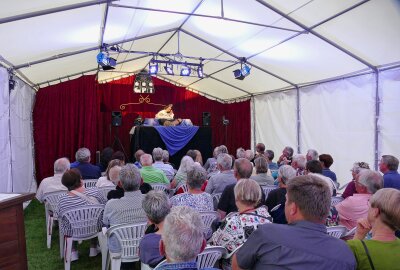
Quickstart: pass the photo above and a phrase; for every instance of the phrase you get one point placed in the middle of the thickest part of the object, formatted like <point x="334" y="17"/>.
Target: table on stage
<point x="147" y="138"/>
<point x="12" y="231"/>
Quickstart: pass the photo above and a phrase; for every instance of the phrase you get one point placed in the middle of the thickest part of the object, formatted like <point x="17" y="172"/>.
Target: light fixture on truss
<point x="243" y="72"/>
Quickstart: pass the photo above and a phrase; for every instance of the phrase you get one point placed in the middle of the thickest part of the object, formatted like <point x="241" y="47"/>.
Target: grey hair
<point x="222" y="149"/>
<point x="391" y="162"/>
<point x="157" y="154"/>
<point x="249" y="154"/>
<point x="261" y="165"/>
<point x="146" y="160"/>
<point x="61" y="165"/>
<point x="196" y="176"/>
<point x="387" y="200"/>
<point x="313" y="154"/>
<point x="113" y="174"/>
<point x="156" y="205"/>
<point x="240" y="153"/>
<point x="290" y="150"/>
<point x="82" y="155"/>
<point x="243" y="168"/>
<point x="130" y="178"/>
<point x="186" y="163"/>
<point x="248" y="191"/>
<point x="372" y="180"/>
<point x="225" y="161"/>
<point x="312" y="196"/>
<point x="183" y="234"/>
<point x="165" y="155"/>
<point x="358" y="166"/>
<point x="300" y="160"/>
<point x="286" y="172"/>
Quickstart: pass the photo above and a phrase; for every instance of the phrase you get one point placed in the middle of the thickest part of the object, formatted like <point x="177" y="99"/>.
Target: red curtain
<point x="64" y="119"/>
<point x="77" y="113"/>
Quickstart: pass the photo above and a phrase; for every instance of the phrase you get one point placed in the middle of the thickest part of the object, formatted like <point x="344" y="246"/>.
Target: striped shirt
<point x="152" y="175"/>
<point x="68" y="202"/>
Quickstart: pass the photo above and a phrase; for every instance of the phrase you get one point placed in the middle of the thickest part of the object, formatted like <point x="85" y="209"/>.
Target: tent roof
<point x="287" y="43"/>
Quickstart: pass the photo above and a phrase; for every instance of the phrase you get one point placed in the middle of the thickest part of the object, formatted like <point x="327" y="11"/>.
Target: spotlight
<point x="200" y="73"/>
<point x="153" y="68"/>
<point x="245" y="70"/>
<point x="106" y="62"/>
<point x="241" y="73"/>
<point x="238" y="74"/>
<point x="169" y="69"/>
<point x="185" y="71"/>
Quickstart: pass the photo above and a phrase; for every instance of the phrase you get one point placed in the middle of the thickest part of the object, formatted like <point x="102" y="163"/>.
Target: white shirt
<point x="329" y="181"/>
<point x="50" y="184"/>
<point x="163" y="114"/>
<point x="104" y="182"/>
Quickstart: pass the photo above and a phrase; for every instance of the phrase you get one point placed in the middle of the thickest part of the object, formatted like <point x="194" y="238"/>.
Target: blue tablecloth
<point x="175" y="138"/>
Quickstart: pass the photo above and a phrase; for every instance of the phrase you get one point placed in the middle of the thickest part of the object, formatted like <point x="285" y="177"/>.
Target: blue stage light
<point x="200" y="73"/>
<point x="185" y="71"/>
<point x="105" y="61"/>
<point x="153" y="68"/>
<point x="169" y="69"/>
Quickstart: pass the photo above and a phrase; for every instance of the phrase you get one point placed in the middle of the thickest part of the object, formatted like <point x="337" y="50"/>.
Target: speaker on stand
<point x="206" y="119"/>
<point x="116" y="121"/>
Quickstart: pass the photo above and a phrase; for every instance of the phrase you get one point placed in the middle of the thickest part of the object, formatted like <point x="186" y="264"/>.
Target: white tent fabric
<point x="16" y="144"/>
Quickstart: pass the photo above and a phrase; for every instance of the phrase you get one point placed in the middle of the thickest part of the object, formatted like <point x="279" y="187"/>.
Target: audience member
<point x="119" y="155"/>
<point x="238" y="226"/>
<point x="105" y="158"/>
<point x="150" y="174"/>
<point x="53" y="183"/>
<point x="181" y="175"/>
<point x="242" y="169"/>
<point x="312" y="155"/>
<point x="249" y="155"/>
<point x="261" y="176"/>
<point x="159" y="164"/>
<point x="165" y="159"/>
<point x="314" y="167"/>
<point x="223" y="149"/>
<point x="260" y="150"/>
<point x="299" y="164"/>
<point x="182" y="239"/>
<point x="326" y="162"/>
<point x="271" y="165"/>
<point x="218" y="182"/>
<point x="199" y="158"/>
<point x="388" y="165"/>
<point x="87" y="170"/>
<point x="195" y="197"/>
<point x="156" y="205"/>
<point x="383" y="250"/>
<point x="355" y="207"/>
<point x="138" y="154"/>
<point x="351" y="186"/>
<point x="191" y="153"/>
<point x="105" y="180"/>
<point x="240" y="153"/>
<point x="278" y="196"/>
<point x="211" y="163"/>
<point x="127" y="209"/>
<point x="78" y="195"/>
<point x="286" y="157"/>
<point x="304" y="242"/>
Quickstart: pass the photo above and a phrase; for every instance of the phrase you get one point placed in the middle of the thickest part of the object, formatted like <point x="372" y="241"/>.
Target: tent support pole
<point x="253" y="122"/>
<point x="377" y="114"/>
<point x="298" y="119"/>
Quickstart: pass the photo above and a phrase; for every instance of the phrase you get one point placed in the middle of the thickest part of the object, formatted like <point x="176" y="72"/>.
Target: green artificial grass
<point x="39" y="257"/>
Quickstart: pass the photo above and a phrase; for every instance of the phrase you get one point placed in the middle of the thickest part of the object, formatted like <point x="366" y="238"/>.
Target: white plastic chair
<point x="51" y="200"/>
<point x="84" y="222"/>
<point x="184" y="187"/>
<point x="129" y="236"/>
<point x="104" y="191"/>
<point x="335" y="200"/>
<point x="227" y="256"/>
<point x="349" y="233"/>
<point x="208" y="218"/>
<point x="336" y="231"/>
<point x="90" y="183"/>
<point x="161" y="187"/>
<point x="276" y="207"/>
<point x="210" y="256"/>
<point x="267" y="189"/>
<point x="216" y="198"/>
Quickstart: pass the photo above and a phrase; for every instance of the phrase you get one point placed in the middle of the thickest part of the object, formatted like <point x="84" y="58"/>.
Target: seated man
<point x="299" y="164"/>
<point x="159" y="164"/>
<point x="166" y="117"/>
<point x="304" y="242"/>
<point x="314" y="167"/>
<point x="218" y="182"/>
<point x="326" y="162"/>
<point x="88" y="171"/>
<point x="53" y="183"/>
<point x="355" y="207"/>
<point x="286" y="157"/>
<point x="182" y="239"/>
<point x="150" y="174"/>
<point x="127" y="209"/>
<point x="388" y="165"/>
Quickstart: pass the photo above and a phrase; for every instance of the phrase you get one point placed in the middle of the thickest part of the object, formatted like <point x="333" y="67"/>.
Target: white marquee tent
<point x="325" y="74"/>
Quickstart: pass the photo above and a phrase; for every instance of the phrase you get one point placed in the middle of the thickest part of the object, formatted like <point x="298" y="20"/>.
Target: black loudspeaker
<point x="206" y="119"/>
<point x="116" y="119"/>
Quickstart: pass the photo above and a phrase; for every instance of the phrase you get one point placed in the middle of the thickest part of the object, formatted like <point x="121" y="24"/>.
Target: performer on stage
<point x="166" y="117"/>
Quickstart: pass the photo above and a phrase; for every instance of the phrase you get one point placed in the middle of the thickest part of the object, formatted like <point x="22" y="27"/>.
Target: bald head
<point x="243" y="168"/>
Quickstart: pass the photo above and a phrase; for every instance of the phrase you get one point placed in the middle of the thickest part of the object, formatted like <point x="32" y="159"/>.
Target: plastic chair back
<point x="336" y="231"/>
<point x="216" y="198"/>
<point x="208" y="217"/>
<point x="210" y="256"/>
<point x="160" y="187"/>
<point x="104" y="190"/>
<point x="267" y="189"/>
<point x="90" y="183"/>
<point x="335" y="200"/>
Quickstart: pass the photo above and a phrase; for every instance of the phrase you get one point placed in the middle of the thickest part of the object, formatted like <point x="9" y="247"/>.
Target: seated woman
<point x="157" y="206"/>
<point x="105" y="181"/>
<point x="351" y="186"/>
<point x="383" y="250"/>
<point x="195" y="197"/>
<point x="78" y="195"/>
<point x="238" y="226"/>
<point x="181" y="175"/>
<point x="261" y="176"/>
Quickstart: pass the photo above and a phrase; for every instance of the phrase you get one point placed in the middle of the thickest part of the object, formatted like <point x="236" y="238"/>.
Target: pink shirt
<point x="353" y="208"/>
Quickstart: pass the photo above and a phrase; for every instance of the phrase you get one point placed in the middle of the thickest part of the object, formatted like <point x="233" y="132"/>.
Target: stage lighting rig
<point x="243" y="72"/>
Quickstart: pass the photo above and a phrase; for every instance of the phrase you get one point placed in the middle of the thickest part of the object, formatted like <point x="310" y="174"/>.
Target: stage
<point x="147" y="138"/>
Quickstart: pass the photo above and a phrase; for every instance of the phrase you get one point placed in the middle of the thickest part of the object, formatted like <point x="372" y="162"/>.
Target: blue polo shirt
<point x="300" y="245"/>
<point x="391" y="179"/>
<point x="330" y="174"/>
